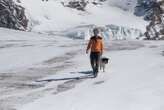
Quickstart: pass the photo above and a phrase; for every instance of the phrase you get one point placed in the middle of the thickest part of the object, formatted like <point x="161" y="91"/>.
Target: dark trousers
<point x="95" y="61"/>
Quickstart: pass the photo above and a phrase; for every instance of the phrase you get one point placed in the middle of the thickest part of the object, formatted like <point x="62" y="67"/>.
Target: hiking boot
<point x="95" y="73"/>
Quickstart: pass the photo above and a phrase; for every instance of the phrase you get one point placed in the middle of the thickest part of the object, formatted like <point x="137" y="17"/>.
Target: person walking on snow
<point x="96" y="47"/>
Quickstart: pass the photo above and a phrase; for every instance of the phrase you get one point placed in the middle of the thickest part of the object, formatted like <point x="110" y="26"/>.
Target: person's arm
<point x="89" y="46"/>
<point x="102" y="47"/>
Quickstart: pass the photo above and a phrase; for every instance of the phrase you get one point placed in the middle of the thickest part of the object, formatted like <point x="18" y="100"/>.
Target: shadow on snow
<point x="88" y="74"/>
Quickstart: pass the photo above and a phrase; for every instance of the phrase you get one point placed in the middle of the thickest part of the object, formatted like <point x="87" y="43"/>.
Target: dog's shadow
<point x="88" y="74"/>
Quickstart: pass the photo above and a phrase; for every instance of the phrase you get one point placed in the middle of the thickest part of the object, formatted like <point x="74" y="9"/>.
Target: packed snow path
<point x="56" y="76"/>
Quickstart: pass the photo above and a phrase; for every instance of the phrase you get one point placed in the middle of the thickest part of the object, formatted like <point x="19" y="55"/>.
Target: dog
<point x="103" y="62"/>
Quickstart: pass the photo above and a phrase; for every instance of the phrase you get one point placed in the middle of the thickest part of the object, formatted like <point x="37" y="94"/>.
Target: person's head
<point x="96" y="31"/>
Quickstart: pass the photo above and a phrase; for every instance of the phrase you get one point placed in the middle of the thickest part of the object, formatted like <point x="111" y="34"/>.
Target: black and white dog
<point x="103" y="62"/>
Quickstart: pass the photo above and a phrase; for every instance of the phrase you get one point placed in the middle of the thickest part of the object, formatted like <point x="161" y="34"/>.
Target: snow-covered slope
<point x="127" y="5"/>
<point x="53" y="16"/>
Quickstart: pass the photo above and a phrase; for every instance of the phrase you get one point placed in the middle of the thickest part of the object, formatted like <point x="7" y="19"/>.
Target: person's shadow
<point x="88" y="74"/>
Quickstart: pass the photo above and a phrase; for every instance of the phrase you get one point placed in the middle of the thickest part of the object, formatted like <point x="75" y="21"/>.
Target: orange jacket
<point x="95" y="44"/>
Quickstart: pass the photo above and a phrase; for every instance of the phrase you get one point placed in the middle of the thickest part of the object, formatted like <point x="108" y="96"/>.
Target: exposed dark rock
<point x="77" y="4"/>
<point x="18" y="1"/>
<point x="155" y="29"/>
<point x="81" y="4"/>
<point x="145" y="8"/>
<point x="12" y="15"/>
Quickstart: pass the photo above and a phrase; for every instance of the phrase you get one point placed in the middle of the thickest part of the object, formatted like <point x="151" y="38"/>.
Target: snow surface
<point x="52" y="72"/>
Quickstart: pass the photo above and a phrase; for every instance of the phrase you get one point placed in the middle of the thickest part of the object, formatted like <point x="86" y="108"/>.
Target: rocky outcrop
<point x="153" y="11"/>
<point x="155" y="29"/>
<point x="12" y="15"/>
<point x="145" y="8"/>
<point x="76" y="4"/>
<point x="81" y="4"/>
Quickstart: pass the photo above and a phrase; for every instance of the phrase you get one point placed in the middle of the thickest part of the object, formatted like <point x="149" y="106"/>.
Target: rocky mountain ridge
<point x="12" y="15"/>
